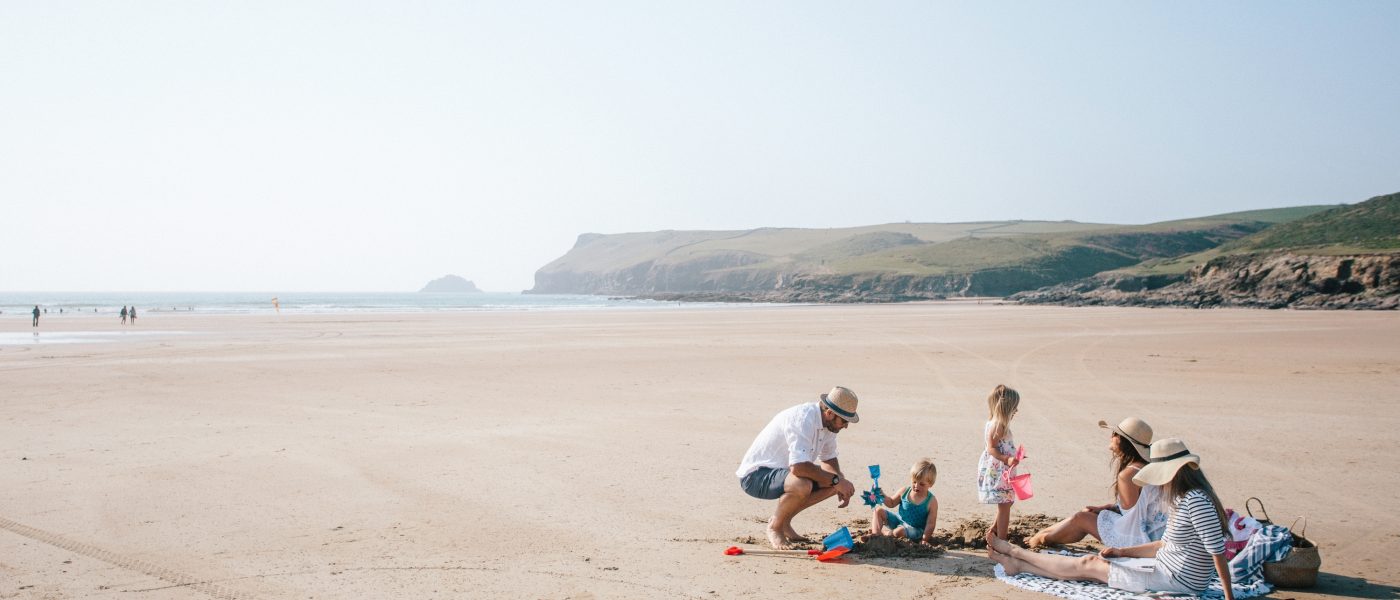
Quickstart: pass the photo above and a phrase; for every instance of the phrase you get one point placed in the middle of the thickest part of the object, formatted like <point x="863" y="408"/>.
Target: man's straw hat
<point x="842" y="402"/>
<point x="1167" y="458"/>
<point x="1134" y="430"/>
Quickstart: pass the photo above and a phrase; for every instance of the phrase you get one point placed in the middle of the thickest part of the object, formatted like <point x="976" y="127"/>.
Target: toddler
<point x="918" y="509"/>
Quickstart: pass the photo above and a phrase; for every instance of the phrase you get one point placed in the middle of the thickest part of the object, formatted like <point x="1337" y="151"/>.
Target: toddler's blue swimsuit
<point x="912" y="516"/>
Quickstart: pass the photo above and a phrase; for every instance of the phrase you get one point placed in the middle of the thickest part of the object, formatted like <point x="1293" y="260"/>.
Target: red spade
<point x="821" y="556"/>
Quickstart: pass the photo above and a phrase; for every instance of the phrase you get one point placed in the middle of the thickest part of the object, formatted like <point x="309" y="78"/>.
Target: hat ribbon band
<point x="1130" y="438"/>
<point x="836" y="409"/>
<point x="1172" y="457"/>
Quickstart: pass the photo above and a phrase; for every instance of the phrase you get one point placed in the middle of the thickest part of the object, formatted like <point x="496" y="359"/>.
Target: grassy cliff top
<point x="915" y="248"/>
<point x="1370" y="226"/>
<point x="1373" y="224"/>
<point x="617" y="251"/>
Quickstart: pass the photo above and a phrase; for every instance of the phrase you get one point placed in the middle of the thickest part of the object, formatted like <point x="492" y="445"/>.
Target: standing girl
<point x="998" y="457"/>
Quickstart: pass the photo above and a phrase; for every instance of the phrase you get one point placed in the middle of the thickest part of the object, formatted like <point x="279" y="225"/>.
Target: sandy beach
<point x="579" y="454"/>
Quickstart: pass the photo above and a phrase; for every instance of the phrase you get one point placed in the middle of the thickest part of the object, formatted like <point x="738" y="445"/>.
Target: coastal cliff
<point x="1346" y="257"/>
<point x="1276" y="280"/>
<point x="875" y="264"/>
<point x="1333" y="256"/>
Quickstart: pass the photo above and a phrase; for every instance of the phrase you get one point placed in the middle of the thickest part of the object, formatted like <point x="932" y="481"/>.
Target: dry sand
<point x="591" y="453"/>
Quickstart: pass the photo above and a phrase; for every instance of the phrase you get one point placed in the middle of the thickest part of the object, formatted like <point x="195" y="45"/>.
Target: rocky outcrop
<point x="1277" y="280"/>
<point x="450" y="284"/>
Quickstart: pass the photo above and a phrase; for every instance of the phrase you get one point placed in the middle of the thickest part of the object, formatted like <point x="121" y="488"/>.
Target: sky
<point x="374" y="146"/>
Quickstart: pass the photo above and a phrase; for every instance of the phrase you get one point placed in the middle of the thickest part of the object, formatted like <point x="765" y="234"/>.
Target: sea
<point x="20" y="305"/>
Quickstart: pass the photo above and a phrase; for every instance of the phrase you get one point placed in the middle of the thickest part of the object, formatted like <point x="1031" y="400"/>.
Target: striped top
<point x="1193" y="536"/>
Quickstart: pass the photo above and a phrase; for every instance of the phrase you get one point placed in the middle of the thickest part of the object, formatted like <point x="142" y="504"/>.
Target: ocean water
<point x="19" y="305"/>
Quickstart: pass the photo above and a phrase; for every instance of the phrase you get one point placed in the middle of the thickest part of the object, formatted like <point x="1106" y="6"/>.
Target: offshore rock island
<point x="450" y="284"/>
<point x="1321" y="256"/>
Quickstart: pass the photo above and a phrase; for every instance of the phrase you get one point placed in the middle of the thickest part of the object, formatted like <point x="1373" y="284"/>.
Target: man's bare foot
<point x="786" y="532"/>
<point x="794" y="537"/>
<point x="777" y="540"/>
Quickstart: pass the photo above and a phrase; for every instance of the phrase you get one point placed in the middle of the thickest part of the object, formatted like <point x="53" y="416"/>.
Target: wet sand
<point x="591" y="453"/>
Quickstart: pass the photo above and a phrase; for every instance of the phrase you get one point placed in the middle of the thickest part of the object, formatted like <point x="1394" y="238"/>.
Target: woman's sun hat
<point x="1167" y="458"/>
<point x="1133" y="429"/>
<point x="842" y="402"/>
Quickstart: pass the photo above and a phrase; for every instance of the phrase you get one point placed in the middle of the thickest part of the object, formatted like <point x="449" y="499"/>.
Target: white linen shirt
<point x="795" y="435"/>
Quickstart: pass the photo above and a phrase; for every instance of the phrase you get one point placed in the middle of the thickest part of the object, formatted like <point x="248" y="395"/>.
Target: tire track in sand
<point x="125" y="562"/>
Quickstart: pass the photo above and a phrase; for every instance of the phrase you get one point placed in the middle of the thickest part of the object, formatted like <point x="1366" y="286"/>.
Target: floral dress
<point x="992" y="488"/>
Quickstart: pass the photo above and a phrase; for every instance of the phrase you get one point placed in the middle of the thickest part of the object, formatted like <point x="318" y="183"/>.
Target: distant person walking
<point x="123" y="315"/>
<point x="133" y="315"/>
<point x="36" y="315"/>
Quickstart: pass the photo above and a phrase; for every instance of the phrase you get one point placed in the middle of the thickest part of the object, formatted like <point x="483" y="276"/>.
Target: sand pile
<point x="883" y="546"/>
<point x="972" y="533"/>
<point x="967" y="534"/>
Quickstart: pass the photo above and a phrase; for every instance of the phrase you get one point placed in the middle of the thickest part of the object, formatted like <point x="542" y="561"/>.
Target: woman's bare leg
<point x="1015" y="560"/>
<point x="1068" y="531"/>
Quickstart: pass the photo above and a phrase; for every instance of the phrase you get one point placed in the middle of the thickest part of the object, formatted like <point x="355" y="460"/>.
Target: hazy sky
<point x="348" y="146"/>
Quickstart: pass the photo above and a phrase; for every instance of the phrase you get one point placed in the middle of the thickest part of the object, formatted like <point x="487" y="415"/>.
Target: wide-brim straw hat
<point x="1133" y="429"/>
<point x="1167" y="457"/>
<point x="842" y="402"/>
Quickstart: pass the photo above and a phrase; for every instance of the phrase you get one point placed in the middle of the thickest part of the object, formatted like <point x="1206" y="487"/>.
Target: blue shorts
<point x="913" y="532"/>
<point x="766" y="483"/>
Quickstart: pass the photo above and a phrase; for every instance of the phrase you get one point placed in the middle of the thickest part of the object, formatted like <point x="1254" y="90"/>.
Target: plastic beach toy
<point x="874" y="496"/>
<point x="838" y="539"/>
<point x="737" y="551"/>
<point x="1021" y="484"/>
<point x="833" y="546"/>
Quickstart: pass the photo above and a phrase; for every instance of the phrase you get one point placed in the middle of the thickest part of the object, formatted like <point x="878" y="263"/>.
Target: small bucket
<point x="840" y="539"/>
<point x="1022" y="485"/>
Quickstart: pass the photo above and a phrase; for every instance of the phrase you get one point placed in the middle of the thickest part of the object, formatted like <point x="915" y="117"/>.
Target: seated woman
<point x="1192" y="549"/>
<point x="1138" y="517"/>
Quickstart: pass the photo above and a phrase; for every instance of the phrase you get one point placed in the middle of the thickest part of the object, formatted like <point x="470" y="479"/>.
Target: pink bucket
<point x="1022" y="485"/>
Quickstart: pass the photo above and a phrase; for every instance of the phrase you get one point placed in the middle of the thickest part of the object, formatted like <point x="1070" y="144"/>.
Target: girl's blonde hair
<point x="924" y="469"/>
<point x="1000" y="406"/>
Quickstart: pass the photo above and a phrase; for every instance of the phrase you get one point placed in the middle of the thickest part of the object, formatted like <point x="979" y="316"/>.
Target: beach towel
<point x="1242" y="529"/>
<point x="1269" y="543"/>
<point x="1090" y="590"/>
